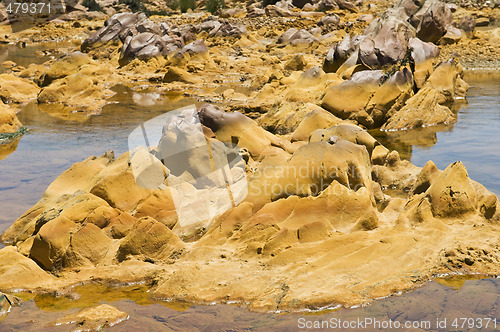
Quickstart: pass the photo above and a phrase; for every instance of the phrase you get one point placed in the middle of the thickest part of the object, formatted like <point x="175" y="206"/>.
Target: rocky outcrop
<point x="432" y="20"/>
<point x="149" y="240"/>
<point x="348" y="132"/>
<point x="93" y="318"/>
<point x="65" y="66"/>
<point x="324" y="195"/>
<point x="276" y="11"/>
<point x="296" y="37"/>
<point x="385" y="42"/>
<point x="117" y="27"/>
<point x="318" y="118"/>
<point x="140" y="38"/>
<point x="9" y="123"/>
<point x="440" y="89"/>
<point x="424" y="55"/>
<point x="329" y="22"/>
<point x="448" y="194"/>
<point x="236" y="127"/>
<point x="399" y="42"/>
<point x="20" y="272"/>
<point x="387" y="39"/>
<point x="327" y="215"/>
<point x="174" y="74"/>
<point x="75" y="80"/>
<point x="368" y="96"/>
<point x="425" y="104"/>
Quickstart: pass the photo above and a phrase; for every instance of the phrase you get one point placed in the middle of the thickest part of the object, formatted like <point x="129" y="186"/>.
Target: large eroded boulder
<point x="19" y="272"/>
<point x="149" y="239"/>
<point x="15" y="89"/>
<point x="368" y="96"/>
<point x="66" y="65"/>
<point x="432" y="20"/>
<point x="9" y="123"/>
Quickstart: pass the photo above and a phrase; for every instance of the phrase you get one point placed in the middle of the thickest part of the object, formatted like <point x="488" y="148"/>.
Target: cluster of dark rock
<point x="143" y="39"/>
<point x="285" y="8"/>
<point x="408" y="25"/>
<point x="391" y="69"/>
<point x="476" y="3"/>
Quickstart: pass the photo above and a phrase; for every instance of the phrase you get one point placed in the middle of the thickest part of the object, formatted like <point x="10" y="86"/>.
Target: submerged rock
<point x="94" y="318"/>
<point x="9" y="123"/>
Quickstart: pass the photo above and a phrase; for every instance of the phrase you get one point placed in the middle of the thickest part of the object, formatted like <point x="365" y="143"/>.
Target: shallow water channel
<point x="57" y="140"/>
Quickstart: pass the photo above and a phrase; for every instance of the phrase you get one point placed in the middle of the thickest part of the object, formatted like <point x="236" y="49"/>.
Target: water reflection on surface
<point x="474" y="139"/>
<point x="57" y="139"/>
<point x="458" y="297"/>
<point x="32" y="54"/>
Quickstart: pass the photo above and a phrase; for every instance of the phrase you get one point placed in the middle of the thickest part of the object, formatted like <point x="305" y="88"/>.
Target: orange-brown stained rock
<point x="51" y="242"/>
<point x="87" y="246"/>
<point x="9" y="123"/>
<point x="17" y="90"/>
<point x="452" y="192"/>
<point x="149" y="239"/>
<point x="20" y="272"/>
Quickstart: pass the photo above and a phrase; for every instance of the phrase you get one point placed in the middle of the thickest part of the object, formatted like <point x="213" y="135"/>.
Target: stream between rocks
<point x="55" y="142"/>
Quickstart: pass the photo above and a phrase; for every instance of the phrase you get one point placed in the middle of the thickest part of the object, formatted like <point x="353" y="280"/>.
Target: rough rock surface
<point x="15" y="89"/>
<point x="9" y="123"/>
<point x="331" y="216"/>
<point x="94" y="318"/>
<point x="322" y="196"/>
<point x="75" y="80"/>
<point x="368" y="96"/>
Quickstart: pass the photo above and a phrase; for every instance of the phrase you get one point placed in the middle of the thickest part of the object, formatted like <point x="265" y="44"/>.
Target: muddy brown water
<point x="56" y="140"/>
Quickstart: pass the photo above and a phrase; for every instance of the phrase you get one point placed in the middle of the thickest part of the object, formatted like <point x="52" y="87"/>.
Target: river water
<point x="56" y="140"/>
